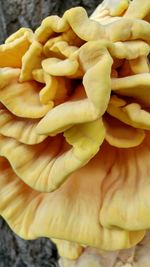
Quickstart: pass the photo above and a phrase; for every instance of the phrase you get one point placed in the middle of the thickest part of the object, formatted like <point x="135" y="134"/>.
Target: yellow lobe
<point x="139" y="65"/>
<point x="97" y="85"/>
<point x="57" y="67"/>
<point x="8" y="75"/>
<point x="63" y="48"/>
<point x="47" y="165"/>
<point x="83" y="27"/>
<point x="120" y="135"/>
<point x="131" y="114"/>
<point x="129" y="49"/>
<point x="68" y="249"/>
<point x="126" y="201"/>
<point x="49" y="26"/>
<point x="21" y="32"/>
<point x="30" y="61"/>
<point x="9" y="56"/>
<point x="136" y="86"/>
<point x="22" y="99"/>
<point x="23" y="130"/>
<point x="70" y="213"/>
<point x="136" y="10"/>
<point x="48" y="92"/>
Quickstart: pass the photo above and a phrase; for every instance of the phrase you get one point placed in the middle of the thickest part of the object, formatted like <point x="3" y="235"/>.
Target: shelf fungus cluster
<point x="75" y="134"/>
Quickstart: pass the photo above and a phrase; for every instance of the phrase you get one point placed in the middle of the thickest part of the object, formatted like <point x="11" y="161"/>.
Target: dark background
<point x="15" y="252"/>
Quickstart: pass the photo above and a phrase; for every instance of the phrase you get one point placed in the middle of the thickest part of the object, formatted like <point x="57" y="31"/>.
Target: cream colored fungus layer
<point x="75" y="134"/>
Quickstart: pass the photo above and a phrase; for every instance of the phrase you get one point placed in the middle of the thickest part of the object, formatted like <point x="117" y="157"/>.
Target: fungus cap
<point x="75" y="131"/>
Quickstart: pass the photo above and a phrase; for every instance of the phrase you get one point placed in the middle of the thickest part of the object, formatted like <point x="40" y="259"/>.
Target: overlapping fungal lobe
<point x="75" y="131"/>
<point x="134" y="257"/>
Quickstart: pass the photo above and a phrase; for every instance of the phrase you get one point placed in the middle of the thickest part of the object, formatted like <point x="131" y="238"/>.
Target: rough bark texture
<point x="15" y="252"/>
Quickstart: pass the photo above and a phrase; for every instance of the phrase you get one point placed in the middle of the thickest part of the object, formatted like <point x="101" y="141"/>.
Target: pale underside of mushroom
<point x="75" y="134"/>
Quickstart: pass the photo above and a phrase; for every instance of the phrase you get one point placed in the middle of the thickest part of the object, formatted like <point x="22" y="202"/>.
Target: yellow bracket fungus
<point x="75" y="134"/>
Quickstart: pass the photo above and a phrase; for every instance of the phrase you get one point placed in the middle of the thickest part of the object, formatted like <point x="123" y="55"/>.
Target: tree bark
<point x="16" y="252"/>
<point x="15" y="14"/>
